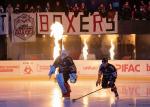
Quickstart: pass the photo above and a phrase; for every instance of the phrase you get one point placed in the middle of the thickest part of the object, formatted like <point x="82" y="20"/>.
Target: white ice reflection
<point x="56" y="98"/>
<point x="85" y="101"/>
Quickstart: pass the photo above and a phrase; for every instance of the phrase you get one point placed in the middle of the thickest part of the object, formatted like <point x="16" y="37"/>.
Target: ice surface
<point x="46" y="93"/>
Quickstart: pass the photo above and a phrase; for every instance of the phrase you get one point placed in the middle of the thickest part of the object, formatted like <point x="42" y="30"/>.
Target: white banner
<point x="92" y="24"/>
<point x="133" y="68"/>
<point x="3" y="23"/>
<point x="23" y="27"/>
<point x="124" y="67"/>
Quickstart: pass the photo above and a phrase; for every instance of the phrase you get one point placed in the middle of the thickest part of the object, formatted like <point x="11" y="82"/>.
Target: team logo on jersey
<point x="24" y="26"/>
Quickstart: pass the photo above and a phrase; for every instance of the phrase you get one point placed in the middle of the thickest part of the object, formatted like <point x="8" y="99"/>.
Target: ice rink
<point x="46" y="93"/>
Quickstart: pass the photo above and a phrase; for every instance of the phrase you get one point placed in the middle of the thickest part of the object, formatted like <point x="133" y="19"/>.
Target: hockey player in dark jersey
<point x="108" y="73"/>
<point x="66" y="71"/>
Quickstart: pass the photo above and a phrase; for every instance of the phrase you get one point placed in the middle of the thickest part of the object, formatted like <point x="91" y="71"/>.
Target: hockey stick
<point x="85" y="95"/>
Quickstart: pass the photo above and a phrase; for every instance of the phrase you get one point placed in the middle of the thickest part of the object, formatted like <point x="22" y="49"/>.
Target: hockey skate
<point x="116" y="95"/>
<point x="66" y="96"/>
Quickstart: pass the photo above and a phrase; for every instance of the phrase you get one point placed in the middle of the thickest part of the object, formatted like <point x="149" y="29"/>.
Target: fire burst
<point x="57" y="32"/>
<point x="112" y="39"/>
<point x="85" y="39"/>
<point x="112" y="53"/>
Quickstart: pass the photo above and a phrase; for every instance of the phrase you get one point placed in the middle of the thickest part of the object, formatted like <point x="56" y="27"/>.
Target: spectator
<point x="1" y="9"/>
<point x="83" y="8"/>
<point x="58" y="7"/>
<point x="26" y="8"/>
<point x="70" y="2"/>
<point x="143" y="13"/>
<point x="92" y="6"/>
<point x="102" y="10"/>
<point x="48" y="7"/>
<point x="143" y="4"/>
<point x="38" y="8"/>
<point x="67" y="9"/>
<point x="32" y="9"/>
<point x="129" y="9"/>
<point x="110" y="12"/>
<point x="17" y="8"/>
<point x="148" y="11"/>
<point x="135" y="13"/>
<point x="126" y="11"/>
<point x="9" y="9"/>
<point x="76" y="9"/>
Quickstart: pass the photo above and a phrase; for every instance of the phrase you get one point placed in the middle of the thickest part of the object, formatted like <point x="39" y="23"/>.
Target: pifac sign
<point x="23" y="27"/>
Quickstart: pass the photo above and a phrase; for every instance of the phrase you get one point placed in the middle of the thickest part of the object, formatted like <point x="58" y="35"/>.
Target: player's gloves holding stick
<point x="98" y="82"/>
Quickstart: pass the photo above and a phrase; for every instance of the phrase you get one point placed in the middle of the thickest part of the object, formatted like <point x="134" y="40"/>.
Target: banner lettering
<point x="94" y="24"/>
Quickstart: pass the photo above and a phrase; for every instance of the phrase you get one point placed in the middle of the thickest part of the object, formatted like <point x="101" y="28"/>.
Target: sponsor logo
<point x="28" y="70"/>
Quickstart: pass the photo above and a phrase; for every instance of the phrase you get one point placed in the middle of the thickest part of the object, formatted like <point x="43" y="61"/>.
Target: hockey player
<point x="66" y="71"/>
<point x="108" y="73"/>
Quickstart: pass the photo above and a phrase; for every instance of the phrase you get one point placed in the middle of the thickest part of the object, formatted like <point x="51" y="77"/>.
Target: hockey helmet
<point x="104" y="60"/>
<point x="64" y="53"/>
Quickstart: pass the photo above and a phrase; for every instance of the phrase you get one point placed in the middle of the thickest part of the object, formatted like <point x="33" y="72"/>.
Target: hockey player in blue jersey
<point x="108" y="73"/>
<point x="67" y="70"/>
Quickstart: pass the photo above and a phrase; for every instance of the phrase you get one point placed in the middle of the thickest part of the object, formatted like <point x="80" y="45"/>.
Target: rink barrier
<point x="86" y="68"/>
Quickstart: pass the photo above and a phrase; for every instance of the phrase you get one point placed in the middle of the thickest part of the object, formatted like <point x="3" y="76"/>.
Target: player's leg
<point x="66" y="78"/>
<point x="113" y="86"/>
<point x="105" y="82"/>
<point x="61" y="82"/>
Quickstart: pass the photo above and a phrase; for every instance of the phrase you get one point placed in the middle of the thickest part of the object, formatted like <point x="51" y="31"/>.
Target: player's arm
<point x="114" y="71"/>
<point x="98" y="82"/>
<point x="99" y="76"/>
<point x="71" y="66"/>
<point x="72" y="70"/>
<point x="53" y="67"/>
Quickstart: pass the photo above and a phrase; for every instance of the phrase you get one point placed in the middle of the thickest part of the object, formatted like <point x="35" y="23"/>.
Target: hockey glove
<point x="73" y="77"/>
<point x="98" y="82"/>
<point x="52" y="70"/>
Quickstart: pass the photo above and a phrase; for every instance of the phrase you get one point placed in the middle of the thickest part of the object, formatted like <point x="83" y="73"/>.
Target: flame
<point x="57" y="32"/>
<point x="64" y="40"/>
<point x="133" y="42"/>
<point x="85" y="50"/>
<point x="112" y="39"/>
<point x="85" y="39"/>
<point x="112" y="53"/>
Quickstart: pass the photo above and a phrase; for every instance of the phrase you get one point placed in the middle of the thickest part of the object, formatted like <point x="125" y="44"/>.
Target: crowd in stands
<point x="127" y="9"/>
<point x="135" y="10"/>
